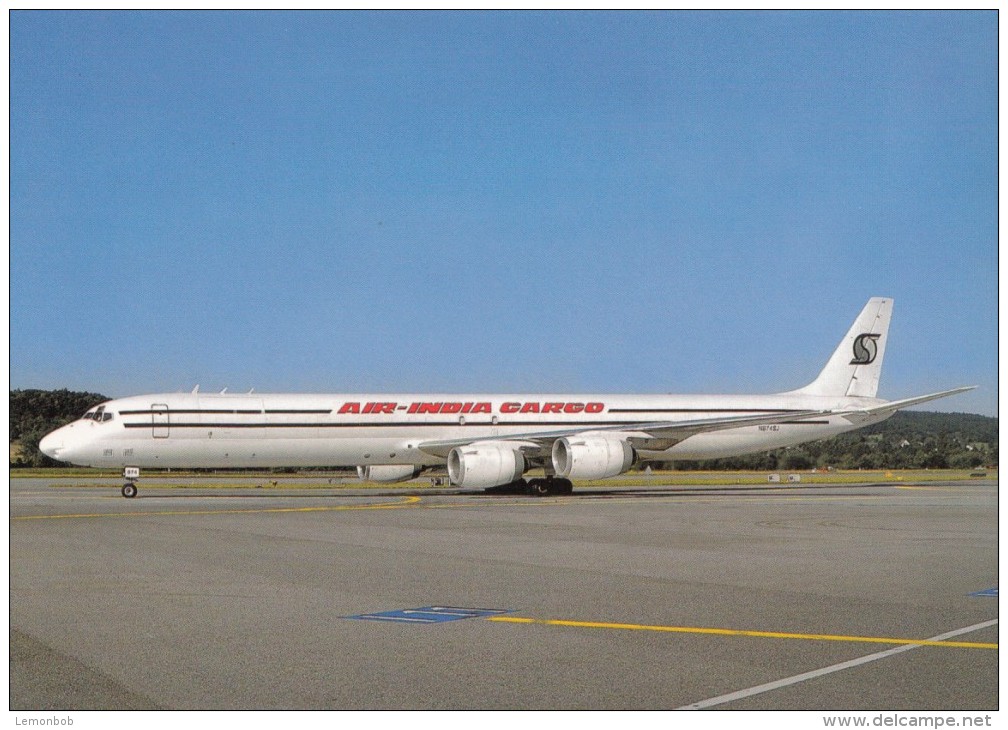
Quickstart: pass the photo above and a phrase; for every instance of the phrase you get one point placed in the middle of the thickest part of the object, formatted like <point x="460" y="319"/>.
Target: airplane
<point x="486" y="441"/>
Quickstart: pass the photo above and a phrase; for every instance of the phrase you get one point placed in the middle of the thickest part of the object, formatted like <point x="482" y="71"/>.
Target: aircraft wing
<point x="657" y="436"/>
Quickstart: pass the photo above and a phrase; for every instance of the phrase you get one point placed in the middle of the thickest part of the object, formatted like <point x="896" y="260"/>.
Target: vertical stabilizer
<point x="856" y="365"/>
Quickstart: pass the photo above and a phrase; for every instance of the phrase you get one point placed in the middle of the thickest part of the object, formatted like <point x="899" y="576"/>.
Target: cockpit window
<point x="98" y="415"/>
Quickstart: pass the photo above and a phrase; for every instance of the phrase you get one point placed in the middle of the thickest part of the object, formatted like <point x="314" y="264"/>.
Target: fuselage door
<point x="159" y="418"/>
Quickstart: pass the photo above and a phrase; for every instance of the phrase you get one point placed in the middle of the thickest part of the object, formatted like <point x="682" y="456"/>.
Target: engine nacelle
<point x="592" y="457"/>
<point x="387" y="472"/>
<point x="485" y="465"/>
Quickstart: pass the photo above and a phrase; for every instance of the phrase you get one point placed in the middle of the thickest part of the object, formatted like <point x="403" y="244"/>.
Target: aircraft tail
<point x="856" y="365"/>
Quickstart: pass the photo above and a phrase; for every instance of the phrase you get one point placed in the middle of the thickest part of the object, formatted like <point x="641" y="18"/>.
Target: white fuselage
<point x="182" y="430"/>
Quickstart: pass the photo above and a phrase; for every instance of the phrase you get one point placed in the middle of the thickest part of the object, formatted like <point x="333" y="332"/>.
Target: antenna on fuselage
<point x="196" y="389"/>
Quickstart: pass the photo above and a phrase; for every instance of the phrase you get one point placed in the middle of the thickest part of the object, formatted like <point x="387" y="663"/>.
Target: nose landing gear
<point x="130" y="474"/>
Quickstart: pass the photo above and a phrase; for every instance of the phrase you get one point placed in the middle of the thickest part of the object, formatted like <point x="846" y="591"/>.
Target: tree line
<point x="908" y="440"/>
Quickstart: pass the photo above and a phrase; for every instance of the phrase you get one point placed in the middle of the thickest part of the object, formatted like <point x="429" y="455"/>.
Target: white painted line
<point x="759" y="689"/>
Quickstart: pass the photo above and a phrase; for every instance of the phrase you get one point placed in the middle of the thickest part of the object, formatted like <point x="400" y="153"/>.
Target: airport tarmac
<point x="826" y="597"/>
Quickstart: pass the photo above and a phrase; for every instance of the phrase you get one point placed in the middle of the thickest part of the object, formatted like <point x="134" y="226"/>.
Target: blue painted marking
<point x="430" y="614"/>
<point x="989" y="593"/>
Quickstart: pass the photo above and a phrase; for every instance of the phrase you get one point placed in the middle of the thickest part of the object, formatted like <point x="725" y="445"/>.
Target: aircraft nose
<point x="52" y="444"/>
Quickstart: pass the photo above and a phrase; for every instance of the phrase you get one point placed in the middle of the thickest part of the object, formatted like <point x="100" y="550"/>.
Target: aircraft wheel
<point x="565" y="486"/>
<point x="129" y="490"/>
<point x="539" y="487"/>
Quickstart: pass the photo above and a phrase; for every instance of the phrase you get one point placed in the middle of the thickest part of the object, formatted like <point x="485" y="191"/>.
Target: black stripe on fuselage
<point x="416" y="424"/>
<point x="702" y="410"/>
<point x="327" y="411"/>
<point x="395" y="424"/>
<point x="319" y="412"/>
<point x="230" y="412"/>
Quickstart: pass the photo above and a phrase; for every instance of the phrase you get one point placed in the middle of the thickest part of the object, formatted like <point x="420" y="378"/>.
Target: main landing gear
<point x="547" y="487"/>
<point x="130" y="474"/>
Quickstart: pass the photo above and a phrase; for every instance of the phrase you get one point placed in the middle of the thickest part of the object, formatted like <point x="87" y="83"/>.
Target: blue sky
<point x="487" y="202"/>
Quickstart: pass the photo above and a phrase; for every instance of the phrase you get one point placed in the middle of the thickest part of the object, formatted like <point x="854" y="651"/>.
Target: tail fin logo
<point x="865" y="349"/>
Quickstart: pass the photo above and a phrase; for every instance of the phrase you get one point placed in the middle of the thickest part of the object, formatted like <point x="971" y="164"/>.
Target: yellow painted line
<point x="740" y="632"/>
<point x="406" y="502"/>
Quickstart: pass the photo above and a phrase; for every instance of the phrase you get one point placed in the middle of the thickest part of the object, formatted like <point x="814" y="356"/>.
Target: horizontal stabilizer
<point x="895" y="405"/>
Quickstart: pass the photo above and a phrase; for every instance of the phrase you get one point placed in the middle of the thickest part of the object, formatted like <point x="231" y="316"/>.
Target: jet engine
<point x="592" y="456"/>
<point x="481" y="466"/>
<point x="387" y="472"/>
